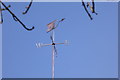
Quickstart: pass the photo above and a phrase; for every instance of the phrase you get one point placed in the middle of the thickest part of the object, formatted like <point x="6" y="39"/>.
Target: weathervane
<point x="51" y="27"/>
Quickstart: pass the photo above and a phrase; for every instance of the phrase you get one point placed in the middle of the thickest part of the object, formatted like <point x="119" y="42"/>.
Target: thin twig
<point x="1" y="15"/>
<point x="86" y="10"/>
<point x="93" y="6"/>
<point x="15" y="17"/>
<point x="28" y="7"/>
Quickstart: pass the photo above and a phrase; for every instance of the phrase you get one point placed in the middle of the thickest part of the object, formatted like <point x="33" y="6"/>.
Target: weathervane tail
<point x="51" y="26"/>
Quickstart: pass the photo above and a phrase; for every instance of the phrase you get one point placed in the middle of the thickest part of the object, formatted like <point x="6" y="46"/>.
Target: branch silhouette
<point x="86" y="10"/>
<point x="28" y="7"/>
<point x="15" y="17"/>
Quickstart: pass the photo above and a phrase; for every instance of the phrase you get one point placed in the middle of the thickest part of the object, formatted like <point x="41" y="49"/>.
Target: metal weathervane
<point x="51" y="26"/>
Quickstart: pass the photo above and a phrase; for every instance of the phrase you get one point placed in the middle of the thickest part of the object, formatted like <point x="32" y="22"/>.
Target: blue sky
<point x="92" y="52"/>
<point x="0" y="51"/>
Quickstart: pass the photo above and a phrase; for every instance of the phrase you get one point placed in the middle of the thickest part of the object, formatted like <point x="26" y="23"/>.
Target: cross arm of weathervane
<point x="41" y="44"/>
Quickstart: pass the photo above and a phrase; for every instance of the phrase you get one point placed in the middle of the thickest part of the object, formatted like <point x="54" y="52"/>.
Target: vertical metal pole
<point x="53" y="53"/>
<point x="53" y="35"/>
<point x="52" y="62"/>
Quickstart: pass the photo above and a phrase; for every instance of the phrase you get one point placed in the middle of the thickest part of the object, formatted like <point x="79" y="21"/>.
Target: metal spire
<point x="54" y="50"/>
<point x="53" y="56"/>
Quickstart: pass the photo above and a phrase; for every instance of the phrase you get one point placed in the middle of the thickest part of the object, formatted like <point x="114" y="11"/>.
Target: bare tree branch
<point x="28" y="7"/>
<point x="15" y="17"/>
<point x="86" y="10"/>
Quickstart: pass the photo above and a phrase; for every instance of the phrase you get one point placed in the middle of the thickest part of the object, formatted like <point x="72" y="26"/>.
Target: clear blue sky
<point x="0" y="51"/>
<point x="93" y="48"/>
